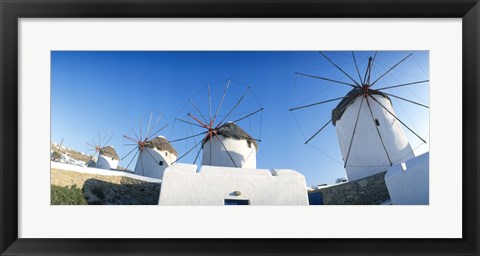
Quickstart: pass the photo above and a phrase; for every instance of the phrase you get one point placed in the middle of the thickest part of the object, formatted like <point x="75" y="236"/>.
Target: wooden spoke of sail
<point x="371" y="66"/>
<point x="136" y="153"/>
<point x="106" y="143"/>
<point x="89" y="144"/>
<point x="190" y="150"/>
<point x="397" y="118"/>
<point x="130" y="152"/>
<point x="135" y="134"/>
<point x="153" y="158"/>
<point x="326" y="79"/>
<point x="199" y="112"/>
<point x="407" y="100"/>
<point x="353" y="133"/>
<point x="209" y="104"/>
<point x="317" y="103"/>
<point x="400" y="85"/>
<point x="356" y="66"/>
<point x="148" y="127"/>
<point x="231" y="158"/>
<point x="140" y="129"/>
<point x="339" y="68"/>
<point x="378" y="132"/>
<point x="141" y="163"/>
<point x="234" y="107"/>
<point x="187" y="122"/>
<point x="130" y="138"/>
<point x="390" y="69"/>
<point x="367" y="69"/>
<point x="156" y="132"/>
<point x="313" y="136"/>
<point x="325" y="125"/>
<point x="221" y="102"/>
<point x="188" y="137"/>
<point x="198" y="153"/>
<point x="251" y="114"/>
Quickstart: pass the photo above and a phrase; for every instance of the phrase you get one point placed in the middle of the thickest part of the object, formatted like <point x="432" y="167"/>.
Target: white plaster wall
<point x="243" y="155"/>
<point x="82" y="169"/>
<point x="150" y="159"/>
<point x="367" y="155"/>
<point x="106" y="162"/>
<point x="182" y="185"/>
<point x="409" y="186"/>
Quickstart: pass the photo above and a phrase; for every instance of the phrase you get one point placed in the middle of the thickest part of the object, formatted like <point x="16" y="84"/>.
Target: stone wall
<point x="108" y="190"/>
<point x="369" y="190"/>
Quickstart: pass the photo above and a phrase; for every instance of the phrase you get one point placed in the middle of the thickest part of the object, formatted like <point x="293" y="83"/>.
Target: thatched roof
<point x="110" y="152"/>
<point x="231" y="130"/>
<point x="338" y="111"/>
<point x="161" y="144"/>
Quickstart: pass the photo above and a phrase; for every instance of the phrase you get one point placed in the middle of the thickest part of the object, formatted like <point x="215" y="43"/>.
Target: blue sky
<point x="110" y="92"/>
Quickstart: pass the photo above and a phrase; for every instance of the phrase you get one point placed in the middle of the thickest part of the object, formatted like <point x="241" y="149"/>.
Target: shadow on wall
<point x="98" y="192"/>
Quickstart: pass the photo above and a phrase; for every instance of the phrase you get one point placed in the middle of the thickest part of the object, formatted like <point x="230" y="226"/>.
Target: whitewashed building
<point x="231" y="147"/>
<point x="157" y="155"/>
<point x="378" y="139"/>
<point x="229" y="176"/>
<point x="214" y="185"/>
<point x="408" y="183"/>
<point x="107" y="158"/>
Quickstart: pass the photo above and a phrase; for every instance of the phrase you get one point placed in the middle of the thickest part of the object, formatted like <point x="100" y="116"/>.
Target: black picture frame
<point x="11" y="11"/>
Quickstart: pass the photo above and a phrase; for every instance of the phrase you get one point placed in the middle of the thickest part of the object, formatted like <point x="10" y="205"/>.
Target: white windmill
<point x="155" y="153"/>
<point x="224" y="143"/>
<point x="369" y="131"/>
<point x="107" y="157"/>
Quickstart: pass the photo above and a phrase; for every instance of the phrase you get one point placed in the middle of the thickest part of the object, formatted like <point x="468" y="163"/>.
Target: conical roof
<point x="161" y="144"/>
<point x="231" y="130"/>
<point x="110" y="152"/>
<point x="351" y="96"/>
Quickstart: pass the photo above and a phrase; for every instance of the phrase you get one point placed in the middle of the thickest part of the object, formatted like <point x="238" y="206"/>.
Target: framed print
<point x="254" y="128"/>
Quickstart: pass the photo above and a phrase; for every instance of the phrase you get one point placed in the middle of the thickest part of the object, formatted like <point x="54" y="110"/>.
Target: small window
<point x="166" y="153"/>
<point x="160" y="163"/>
<point x="237" y="202"/>
<point x="377" y="122"/>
